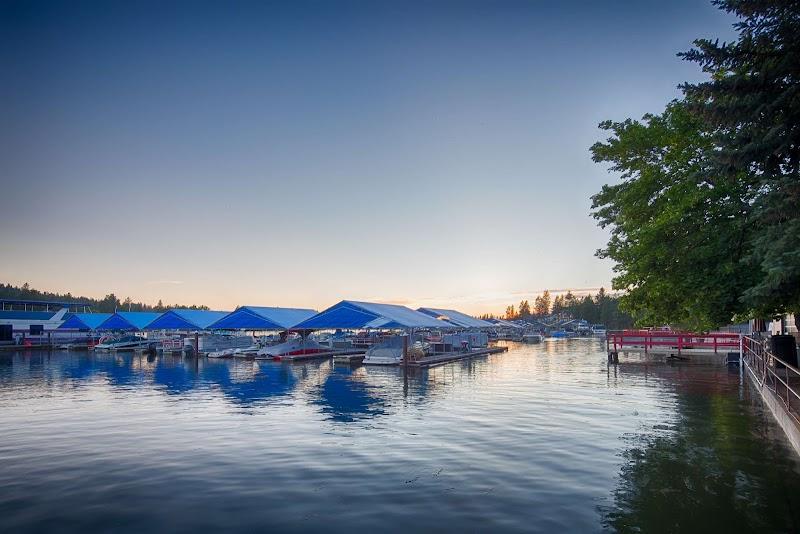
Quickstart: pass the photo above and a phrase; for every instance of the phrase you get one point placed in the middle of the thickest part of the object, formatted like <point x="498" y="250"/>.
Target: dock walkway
<point x="447" y="357"/>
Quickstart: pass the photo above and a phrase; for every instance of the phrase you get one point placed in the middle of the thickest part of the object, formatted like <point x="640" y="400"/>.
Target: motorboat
<point x="129" y="342"/>
<point x="532" y="338"/>
<point x="599" y="330"/>
<point x="390" y="352"/>
<point x="293" y="347"/>
<point x="222" y="353"/>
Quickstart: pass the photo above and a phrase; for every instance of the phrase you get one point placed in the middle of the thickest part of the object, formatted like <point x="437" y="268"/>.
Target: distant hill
<point x="109" y="303"/>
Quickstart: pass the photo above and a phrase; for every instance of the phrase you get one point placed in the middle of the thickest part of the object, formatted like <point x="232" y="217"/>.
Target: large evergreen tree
<point x="705" y="223"/>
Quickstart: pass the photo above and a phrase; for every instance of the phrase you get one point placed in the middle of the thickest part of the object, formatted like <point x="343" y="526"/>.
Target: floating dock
<point x="320" y="355"/>
<point x="447" y="357"/>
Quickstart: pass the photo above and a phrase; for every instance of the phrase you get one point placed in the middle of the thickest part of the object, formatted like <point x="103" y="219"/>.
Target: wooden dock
<point x="349" y="359"/>
<point x="320" y="355"/>
<point x="447" y="357"/>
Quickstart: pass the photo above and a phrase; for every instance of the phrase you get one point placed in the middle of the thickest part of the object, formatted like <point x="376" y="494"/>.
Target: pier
<point x="713" y="347"/>
<point x="447" y="357"/>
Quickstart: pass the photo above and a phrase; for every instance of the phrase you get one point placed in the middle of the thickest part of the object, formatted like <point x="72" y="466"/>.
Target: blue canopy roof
<point x="182" y="319"/>
<point x="263" y="318"/>
<point x="354" y="314"/>
<point x="456" y="317"/>
<point x="128" y="321"/>
<point x="84" y="321"/>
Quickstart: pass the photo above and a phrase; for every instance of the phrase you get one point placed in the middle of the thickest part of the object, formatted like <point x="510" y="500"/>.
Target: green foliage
<point x="597" y="309"/>
<point x="676" y="235"/>
<point x="541" y="305"/>
<point x="752" y="103"/>
<point x="108" y="304"/>
<point x="704" y="223"/>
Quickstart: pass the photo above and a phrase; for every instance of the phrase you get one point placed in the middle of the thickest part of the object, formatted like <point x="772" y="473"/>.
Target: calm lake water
<point x="544" y="438"/>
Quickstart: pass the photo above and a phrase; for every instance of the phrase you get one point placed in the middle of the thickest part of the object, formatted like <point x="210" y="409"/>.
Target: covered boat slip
<point x="263" y="318"/>
<point x="355" y="315"/>
<point x="456" y="318"/>
<point x="127" y="321"/>
<point x="182" y="319"/>
<point x="367" y="316"/>
<point x="84" y="321"/>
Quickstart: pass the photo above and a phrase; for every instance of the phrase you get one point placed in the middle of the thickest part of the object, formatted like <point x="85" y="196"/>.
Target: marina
<point x="544" y="438"/>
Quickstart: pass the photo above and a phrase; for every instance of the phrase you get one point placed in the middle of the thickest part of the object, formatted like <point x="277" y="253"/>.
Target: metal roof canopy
<point x="355" y="314"/>
<point x="456" y="317"/>
<point x="128" y="321"/>
<point x="185" y="319"/>
<point x="84" y="321"/>
<point x="507" y="324"/>
<point x="263" y="318"/>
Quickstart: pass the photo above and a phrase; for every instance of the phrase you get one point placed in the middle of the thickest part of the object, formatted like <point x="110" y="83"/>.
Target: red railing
<point x="648" y="340"/>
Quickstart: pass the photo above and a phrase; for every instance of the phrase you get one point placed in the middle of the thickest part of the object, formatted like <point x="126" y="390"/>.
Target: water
<point x="544" y="438"/>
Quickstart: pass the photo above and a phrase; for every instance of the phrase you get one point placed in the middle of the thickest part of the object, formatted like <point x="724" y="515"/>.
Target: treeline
<point x="600" y="308"/>
<point x="109" y="304"/>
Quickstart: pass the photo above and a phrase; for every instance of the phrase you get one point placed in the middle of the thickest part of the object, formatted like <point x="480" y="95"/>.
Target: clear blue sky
<point x="292" y="154"/>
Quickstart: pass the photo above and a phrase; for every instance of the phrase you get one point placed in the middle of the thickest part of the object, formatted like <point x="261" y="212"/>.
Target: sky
<point x="298" y="153"/>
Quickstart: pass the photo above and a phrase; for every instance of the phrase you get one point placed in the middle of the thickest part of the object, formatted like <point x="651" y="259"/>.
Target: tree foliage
<point x="704" y="223"/>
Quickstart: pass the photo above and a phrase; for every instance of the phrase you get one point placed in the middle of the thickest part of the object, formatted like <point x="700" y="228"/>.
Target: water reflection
<point x="346" y="396"/>
<point x="702" y="470"/>
<point x="545" y="438"/>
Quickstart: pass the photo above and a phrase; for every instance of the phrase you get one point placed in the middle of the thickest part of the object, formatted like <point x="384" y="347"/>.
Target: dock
<point x="447" y="357"/>
<point x="321" y="355"/>
<point x="712" y="347"/>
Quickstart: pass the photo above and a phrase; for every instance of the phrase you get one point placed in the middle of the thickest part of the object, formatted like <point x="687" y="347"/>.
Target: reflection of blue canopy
<point x="180" y="319"/>
<point x="271" y="380"/>
<point x="456" y="317"/>
<point x="346" y="399"/>
<point x="84" y="321"/>
<point x="174" y="376"/>
<point x="352" y="314"/>
<point x="262" y="318"/>
<point x="128" y="321"/>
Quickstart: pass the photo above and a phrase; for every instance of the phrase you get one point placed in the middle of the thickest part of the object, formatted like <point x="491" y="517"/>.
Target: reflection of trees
<point x="715" y="471"/>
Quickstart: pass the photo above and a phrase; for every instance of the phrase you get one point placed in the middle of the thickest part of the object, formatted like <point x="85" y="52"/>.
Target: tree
<point x="524" y="310"/>
<point x="676" y="233"/>
<point x="541" y="305"/>
<point x="510" y="313"/>
<point x="704" y="224"/>
<point x="752" y="102"/>
<point x="558" y="305"/>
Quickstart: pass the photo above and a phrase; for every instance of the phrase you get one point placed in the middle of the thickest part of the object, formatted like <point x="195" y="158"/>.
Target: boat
<point x="222" y="353"/>
<point x="123" y="343"/>
<point x="599" y="330"/>
<point x="390" y="352"/>
<point x="532" y="338"/>
<point x="293" y="347"/>
<point x="560" y="334"/>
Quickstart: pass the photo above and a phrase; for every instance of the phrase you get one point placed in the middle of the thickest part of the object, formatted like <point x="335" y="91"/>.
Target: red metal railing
<point x="657" y="339"/>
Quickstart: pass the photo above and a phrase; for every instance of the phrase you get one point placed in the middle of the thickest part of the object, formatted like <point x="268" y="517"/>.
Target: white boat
<point x="390" y="352"/>
<point x="123" y="343"/>
<point x="223" y="353"/>
<point x="599" y="330"/>
<point x="532" y="338"/>
<point x="293" y="347"/>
